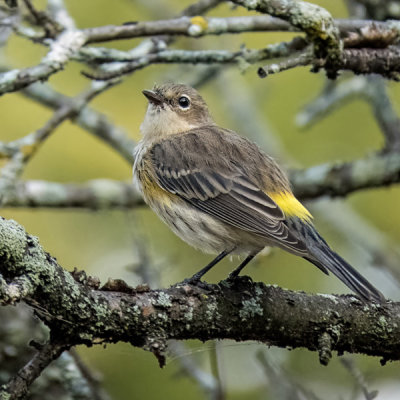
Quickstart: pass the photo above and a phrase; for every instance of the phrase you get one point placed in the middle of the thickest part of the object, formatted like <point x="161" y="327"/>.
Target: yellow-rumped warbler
<point x="220" y="193"/>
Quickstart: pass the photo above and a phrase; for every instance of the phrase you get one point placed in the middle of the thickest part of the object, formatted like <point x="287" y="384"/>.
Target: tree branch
<point x="60" y="52"/>
<point x="385" y="62"/>
<point x="17" y="154"/>
<point x="340" y="179"/>
<point x="318" y="25"/>
<point x="314" y="20"/>
<point x="371" y="89"/>
<point x="242" y="57"/>
<point x="78" y="312"/>
<point x="331" y="179"/>
<point x="201" y="26"/>
<point x="18" y="386"/>
<point x="86" y="117"/>
<point x="94" y="195"/>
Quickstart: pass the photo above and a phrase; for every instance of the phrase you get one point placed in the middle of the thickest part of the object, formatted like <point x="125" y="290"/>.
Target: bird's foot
<point x="237" y="280"/>
<point x="194" y="281"/>
<point x="232" y="276"/>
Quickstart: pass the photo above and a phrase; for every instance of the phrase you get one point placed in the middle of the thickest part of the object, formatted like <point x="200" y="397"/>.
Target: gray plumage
<point x="220" y="193"/>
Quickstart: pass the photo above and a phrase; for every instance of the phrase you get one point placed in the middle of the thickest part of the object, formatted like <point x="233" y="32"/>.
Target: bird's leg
<point x="237" y="270"/>
<point x="197" y="276"/>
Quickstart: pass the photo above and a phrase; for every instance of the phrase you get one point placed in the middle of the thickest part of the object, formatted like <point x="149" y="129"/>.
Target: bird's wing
<point x="205" y="180"/>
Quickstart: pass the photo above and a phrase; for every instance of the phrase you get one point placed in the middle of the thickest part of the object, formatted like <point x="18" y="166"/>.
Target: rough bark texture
<point x="77" y="311"/>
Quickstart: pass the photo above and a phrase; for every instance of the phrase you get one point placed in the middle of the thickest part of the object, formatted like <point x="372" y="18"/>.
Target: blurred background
<point x="117" y="243"/>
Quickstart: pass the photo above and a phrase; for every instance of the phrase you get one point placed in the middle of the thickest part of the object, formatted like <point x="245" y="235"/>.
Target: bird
<point x="220" y="193"/>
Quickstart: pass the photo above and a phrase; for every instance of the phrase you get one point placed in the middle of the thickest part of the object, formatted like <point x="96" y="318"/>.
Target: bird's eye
<point x="184" y="102"/>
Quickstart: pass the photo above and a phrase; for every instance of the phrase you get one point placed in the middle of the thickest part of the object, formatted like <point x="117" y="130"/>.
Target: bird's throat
<point x="161" y="122"/>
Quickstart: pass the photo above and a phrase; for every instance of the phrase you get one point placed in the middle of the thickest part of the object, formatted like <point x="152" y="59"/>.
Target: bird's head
<point x="174" y="108"/>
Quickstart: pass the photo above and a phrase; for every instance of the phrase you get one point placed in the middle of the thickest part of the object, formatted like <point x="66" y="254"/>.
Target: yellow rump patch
<point x="290" y="205"/>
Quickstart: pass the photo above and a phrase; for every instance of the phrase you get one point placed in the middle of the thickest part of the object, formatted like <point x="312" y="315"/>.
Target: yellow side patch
<point x="153" y="192"/>
<point x="290" y="205"/>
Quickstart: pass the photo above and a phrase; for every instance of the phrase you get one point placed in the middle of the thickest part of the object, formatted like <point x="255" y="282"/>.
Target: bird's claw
<point x="193" y="281"/>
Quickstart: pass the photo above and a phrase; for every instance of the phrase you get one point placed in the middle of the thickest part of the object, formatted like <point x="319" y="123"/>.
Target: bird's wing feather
<point x="221" y="190"/>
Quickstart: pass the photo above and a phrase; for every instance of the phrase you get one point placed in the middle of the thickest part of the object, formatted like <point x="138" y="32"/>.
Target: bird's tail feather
<point x="324" y="257"/>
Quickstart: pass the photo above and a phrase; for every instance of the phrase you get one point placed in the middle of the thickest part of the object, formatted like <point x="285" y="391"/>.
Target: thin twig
<point x="91" y="379"/>
<point x="240" y="57"/>
<point x="19" y="152"/>
<point x="42" y="19"/>
<point x="87" y="118"/>
<point x="19" y="385"/>
<point x="281" y="385"/>
<point x="294" y="61"/>
<point x="370" y="88"/>
<point x="349" y="364"/>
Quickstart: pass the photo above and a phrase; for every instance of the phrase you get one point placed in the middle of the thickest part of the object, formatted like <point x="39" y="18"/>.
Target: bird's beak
<point x="153" y="97"/>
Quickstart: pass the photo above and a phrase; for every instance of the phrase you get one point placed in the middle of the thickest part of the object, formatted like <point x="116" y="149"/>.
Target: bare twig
<point x="90" y="380"/>
<point x="384" y="112"/>
<point x="293" y="61"/>
<point x="206" y="381"/>
<point x="87" y="118"/>
<point x="373" y="90"/>
<point x="18" y="153"/>
<point x="60" y="52"/>
<point x="282" y="49"/>
<point x="349" y="364"/>
<point x="240" y="57"/>
<point x="381" y="9"/>
<point x="334" y="95"/>
<point x="385" y="62"/>
<point x="202" y="26"/>
<point x="281" y="385"/>
<point x="59" y="13"/>
<point x="18" y="386"/>
<point x="42" y="19"/>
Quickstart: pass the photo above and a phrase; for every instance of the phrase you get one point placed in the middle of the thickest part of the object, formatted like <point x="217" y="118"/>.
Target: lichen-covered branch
<point x="385" y="62"/>
<point x="194" y="26"/>
<point x="93" y="195"/>
<point x="331" y="179"/>
<point x="77" y="311"/>
<point x="340" y="179"/>
<point x="241" y="57"/>
<point x="314" y="20"/>
<point x="186" y="26"/>
<point x="60" y="53"/>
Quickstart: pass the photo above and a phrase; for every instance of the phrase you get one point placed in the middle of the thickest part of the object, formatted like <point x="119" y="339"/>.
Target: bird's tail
<point x="322" y="256"/>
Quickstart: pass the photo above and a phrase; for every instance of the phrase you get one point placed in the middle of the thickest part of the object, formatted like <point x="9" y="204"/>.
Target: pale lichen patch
<point x="250" y="309"/>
